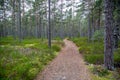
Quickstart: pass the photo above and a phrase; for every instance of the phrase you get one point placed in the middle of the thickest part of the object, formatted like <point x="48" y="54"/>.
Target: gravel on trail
<point x="68" y="65"/>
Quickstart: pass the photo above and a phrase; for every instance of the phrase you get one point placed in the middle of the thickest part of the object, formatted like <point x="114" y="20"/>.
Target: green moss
<point x="23" y="61"/>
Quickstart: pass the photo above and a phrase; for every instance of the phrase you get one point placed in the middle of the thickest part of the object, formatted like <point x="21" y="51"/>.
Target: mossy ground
<point x="93" y="53"/>
<point x="24" y="60"/>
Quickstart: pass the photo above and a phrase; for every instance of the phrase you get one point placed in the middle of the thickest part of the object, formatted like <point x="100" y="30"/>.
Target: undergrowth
<point x="93" y="53"/>
<point x="23" y="61"/>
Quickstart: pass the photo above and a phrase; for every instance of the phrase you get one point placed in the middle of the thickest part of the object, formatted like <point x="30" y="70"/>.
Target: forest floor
<point x="68" y="65"/>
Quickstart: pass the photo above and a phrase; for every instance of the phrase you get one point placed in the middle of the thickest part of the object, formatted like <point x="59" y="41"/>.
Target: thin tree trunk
<point x="61" y="26"/>
<point x="99" y="18"/>
<point x="23" y="19"/>
<point x="19" y="20"/>
<point x="4" y="19"/>
<point x="49" y="25"/>
<point x="36" y="20"/>
<point x="13" y="19"/>
<point x="46" y="35"/>
<point x="89" y="28"/>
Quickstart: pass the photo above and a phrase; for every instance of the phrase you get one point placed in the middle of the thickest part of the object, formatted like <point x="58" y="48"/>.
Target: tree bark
<point x="49" y="25"/>
<point x="99" y="18"/>
<point x="61" y="24"/>
<point x="89" y="28"/>
<point x="13" y="19"/>
<point x="108" y="40"/>
<point x="19" y="20"/>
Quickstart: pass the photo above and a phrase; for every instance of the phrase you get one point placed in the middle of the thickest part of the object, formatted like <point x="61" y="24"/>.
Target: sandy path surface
<point x="68" y="65"/>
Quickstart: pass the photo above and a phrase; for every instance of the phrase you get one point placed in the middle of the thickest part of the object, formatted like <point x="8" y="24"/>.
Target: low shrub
<point x="93" y="52"/>
<point x="100" y="71"/>
<point x="32" y="73"/>
<point x="116" y="74"/>
<point x="56" y="48"/>
<point x="85" y="49"/>
<point x="98" y="35"/>
<point x="94" y="58"/>
<point x="117" y="57"/>
<point x="16" y="64"/>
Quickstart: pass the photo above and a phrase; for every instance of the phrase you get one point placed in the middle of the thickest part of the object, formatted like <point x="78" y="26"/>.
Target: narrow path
<point x="68" y="65"/>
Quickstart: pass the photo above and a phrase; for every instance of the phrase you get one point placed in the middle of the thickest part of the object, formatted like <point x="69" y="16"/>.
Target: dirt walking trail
<point x="68" y="65"/>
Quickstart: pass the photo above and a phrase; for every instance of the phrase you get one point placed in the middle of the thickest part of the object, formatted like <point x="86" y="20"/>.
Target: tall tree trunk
<point x="40" y="30"/>
<point x="93" y="25"/>
<point x="79" y="27"/>
<point x="19" y="20"/>
<point x="108" y="49"/>
<point x="4" y="19"/>
<point x="13" y="19"/>
<point x="99" y="18"/>
<point x="46" y="35"/>
<point x="49" y="25"/>
<point x="20" y="33"/>
<point x="23" y="19"/>
<point x="61" y="25"/>
<point x="36" y="19"/>
<point x="89" y="28"/>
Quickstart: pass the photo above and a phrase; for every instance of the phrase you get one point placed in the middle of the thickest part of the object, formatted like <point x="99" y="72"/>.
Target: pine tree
<point x="108" y="50"/>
